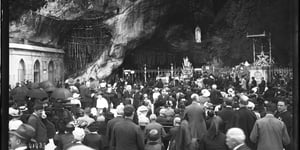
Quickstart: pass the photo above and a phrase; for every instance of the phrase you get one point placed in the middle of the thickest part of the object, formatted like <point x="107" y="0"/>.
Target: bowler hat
<point x="14" y="112"/>
<point x="25" y="132"/>
<point x="93" y="127"/>
<point x="38" y="106"/>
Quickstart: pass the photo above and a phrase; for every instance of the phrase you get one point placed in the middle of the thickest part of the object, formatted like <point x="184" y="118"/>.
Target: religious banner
<point x="258" y="73"/>
<point x="187" y="69"/>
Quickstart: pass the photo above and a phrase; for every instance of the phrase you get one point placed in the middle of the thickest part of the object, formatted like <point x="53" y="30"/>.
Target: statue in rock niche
<point x="198" y="34"/>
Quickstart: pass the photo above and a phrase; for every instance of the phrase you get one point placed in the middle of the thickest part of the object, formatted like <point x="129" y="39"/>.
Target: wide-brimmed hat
<point x="143" y="121"/>
<point x="14" y="124"/>
<point x="208" y="105"/>
<point x="22" y="108"/>
<point x="70" y="81"/>
<point x="75" y="95"/>
<point x="38" y="106"/>
<point x="25" y="132"/>
<point x="143" y="108"/>
<point x="82" y="123"/>
<point x="205" y="93"/>
<point x="14" y="112"/>
<point x="153" y="135"/>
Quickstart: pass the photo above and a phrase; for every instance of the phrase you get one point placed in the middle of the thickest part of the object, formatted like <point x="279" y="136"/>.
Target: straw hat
<point x="143" y="121"/>
<point x="25" y="132"/>
<point x="153" y="135"/>
<point x="205" y="93"/>
<point x="14" y="112"/>
<point x="78" y="134"/>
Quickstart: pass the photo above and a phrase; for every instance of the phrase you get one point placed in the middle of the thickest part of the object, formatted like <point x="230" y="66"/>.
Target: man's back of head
<point x="195" y="97"/>
<point x="153" y="117"/>
<point x="128" y="111"/>
<point x="271" y="108"/>
<point x="234" y="137"/>
<point x="243" y="100"/>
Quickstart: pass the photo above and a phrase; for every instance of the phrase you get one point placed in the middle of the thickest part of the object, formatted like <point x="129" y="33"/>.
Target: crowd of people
<point x="208" y="113"/>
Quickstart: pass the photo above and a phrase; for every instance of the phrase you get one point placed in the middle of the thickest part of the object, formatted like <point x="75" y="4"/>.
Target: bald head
<point x="195" y="97"/>
<point x="234" y="137"/>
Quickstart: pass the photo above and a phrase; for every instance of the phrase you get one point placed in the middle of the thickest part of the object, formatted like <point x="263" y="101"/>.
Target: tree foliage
<point x="18" y="7"/>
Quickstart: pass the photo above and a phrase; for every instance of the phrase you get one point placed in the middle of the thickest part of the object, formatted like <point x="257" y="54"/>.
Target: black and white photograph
<point x="149" y="75"/>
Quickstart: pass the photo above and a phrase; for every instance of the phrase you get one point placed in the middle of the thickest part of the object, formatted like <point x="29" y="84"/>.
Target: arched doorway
<point x="51" y="71"/>
<point x="36" y="73"/>
<point x="21" y="71"/>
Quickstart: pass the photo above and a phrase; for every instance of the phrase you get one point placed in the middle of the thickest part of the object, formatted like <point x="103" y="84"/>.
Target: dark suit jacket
<point x="40" y="128"/>
<point x="215" y="96"/>
<point x="216" y="143"/>
<point x="87" y="100"/>
<point x="245" y="120"/>
<point x="196" y="121"/>
<point x="127" y="136"/>
<point x="94" y="141"/>
<point x="109" y="128"/>
<point x="227" y="115"/>
<point x="287" y="118"/>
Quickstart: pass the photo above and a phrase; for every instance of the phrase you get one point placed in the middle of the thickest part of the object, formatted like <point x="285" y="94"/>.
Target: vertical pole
<point x="145" y="73"/>
<point x="172" y="70"/>
<point x="123" y="74"/>
<point x="270" y="48"/>
<point x="253" y="46"/>
<point x="158" y="71"/>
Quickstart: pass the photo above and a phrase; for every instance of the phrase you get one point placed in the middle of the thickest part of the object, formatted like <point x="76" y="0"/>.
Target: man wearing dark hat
<point x="194" y="114"/>
<point x="126" y="134"/>
<point x="93" y="139"/>
<point x="245" y="119"/>
<point x="20" y="138"/>
<point x="153" y="143"/>
<point x="35" y="120"/>
<point x="111" y="123"/>
<point x="227" y="114"/>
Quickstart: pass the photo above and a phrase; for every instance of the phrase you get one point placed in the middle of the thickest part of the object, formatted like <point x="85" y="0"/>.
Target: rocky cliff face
<point x="132" y="24"/>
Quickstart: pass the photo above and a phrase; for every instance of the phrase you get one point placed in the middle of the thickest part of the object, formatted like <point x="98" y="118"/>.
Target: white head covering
<point x="143" y="121"/>
<point x="120" y="109"/>
<point x="78" y="134"/>
<point x="14" y="112"/>
<point x="94" y="111"/>
<point x="251" y="105"/>
<point x="14" y="124"/>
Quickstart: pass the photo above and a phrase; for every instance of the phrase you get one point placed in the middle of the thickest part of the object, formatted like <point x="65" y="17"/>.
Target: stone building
<point x="35" y="63"/>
